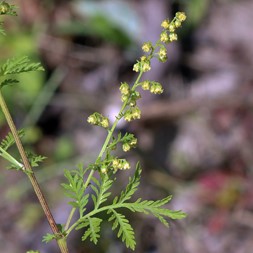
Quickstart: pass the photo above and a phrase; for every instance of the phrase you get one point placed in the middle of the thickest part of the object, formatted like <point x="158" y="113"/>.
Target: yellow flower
<point x="165" y="24"/>
<point x="173" y="37"/>
<point x="133" y="142"/>
<point x="92" y="119"/>
<point x="145" y="85"/>
<point x="115" y="163"/>
<point x="126" y="166"/>
<point x="172" y="27"/>
<point x="144" y="58"/>
<point x="156" y="88"/>
<point x="104" y="123"/>
<point x="164" y="37"/>
<point x="146" y="47"/>
<point x="136" y="67"/>
<point x="177" y="23"/>
<point x="136" y="113"/>
<point x="124" y="88"/>
<point x="146" y="66"/>
<point x="104" y="170"/>
<point x="162" y="52"/>
<point x="126" y="147"/>
<point x="181" y="16"/>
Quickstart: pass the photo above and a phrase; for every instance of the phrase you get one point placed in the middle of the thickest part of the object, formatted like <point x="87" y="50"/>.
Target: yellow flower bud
<point x="146" y="66"/>
<point x="126" y="147"/>
<point x="164" y="37"/>
<point x="126" y="166"/>
<point x="165" y="24"/>
<point x="156" y="88"/>
<point x="145" y="85"/>
<point x="104" y="123"/>
<point x="92" y="119"/>
<point x="173" y="37"/>
<point x="146" y="47"/>
<point x="136" y="67"/>
<point x="181" y="16"/>
<point x="133" y="142"/>
<point x="177" y="23"/>
<point x="136" y="113"/>
<point x="144" y="58"/>
<point x="115" y="163"/>
<point x="172" y="27"/>
<point x="104" y="170"/>
<point x="162" y="52"/>
<point x="124" y="88"/>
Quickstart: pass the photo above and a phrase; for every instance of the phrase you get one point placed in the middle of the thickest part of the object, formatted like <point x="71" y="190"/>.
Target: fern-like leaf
<point x="19" y="65"/>
<point x="8" y="141"/>
<point x="75" y="190"/>
<point x="92" y="226"/>
<point x="101" y="190"/>
<point x="155" y="208"/>
<point x="125" y="230"/>
<point x="8" y="82"/>
<point x="131" y="187"/>
<point x="35" y="159"/>
<point x="48" y="238"/>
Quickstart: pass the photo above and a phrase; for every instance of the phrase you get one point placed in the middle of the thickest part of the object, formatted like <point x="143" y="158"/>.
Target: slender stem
<point x="29" y="171"/>
<point x="69" y="218"/>
<point x="96" y="211"/>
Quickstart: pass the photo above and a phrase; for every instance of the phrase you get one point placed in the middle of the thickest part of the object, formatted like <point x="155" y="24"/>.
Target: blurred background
<point x="195" y="140"/>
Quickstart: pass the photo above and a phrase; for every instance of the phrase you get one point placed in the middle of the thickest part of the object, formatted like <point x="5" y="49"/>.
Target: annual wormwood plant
<point x="93" y="183"/>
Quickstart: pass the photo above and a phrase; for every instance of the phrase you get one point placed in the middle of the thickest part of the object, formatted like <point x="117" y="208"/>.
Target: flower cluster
<point x="120" y="164"/>
<point x="152" y="86"/>
<point x="142" y="65"/>
<point x="129" y="142"/>
<point x="98" y="120"/>
<point x="167" y="35"/>
<point x="129" y="95"/>
<point x="132" y="113"/>
<point x="114" y="164"/>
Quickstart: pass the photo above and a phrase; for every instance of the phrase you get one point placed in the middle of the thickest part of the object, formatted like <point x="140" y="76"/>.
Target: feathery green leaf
<point x="8" y="141"/>
<point x="19" y="65"/>
<point x="155" y="208"/>
<point x="48" y="238"/>
<point x="93" y="229"/>
<point x="125" y="230"/>
<point x="7" y="82"/>
<point x="131" y="187"/>
<point x="75" y="189"/>
<point x="101" y="190"/>
<point x="35" y="159"/>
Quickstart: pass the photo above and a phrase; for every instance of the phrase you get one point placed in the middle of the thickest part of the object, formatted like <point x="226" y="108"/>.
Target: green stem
<point x="29" y="171"/>
<point x="96" y="211"/>
<point x="111" y="131"/>
<point x="10" y="158"/>
<point x="69" y="218"/>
